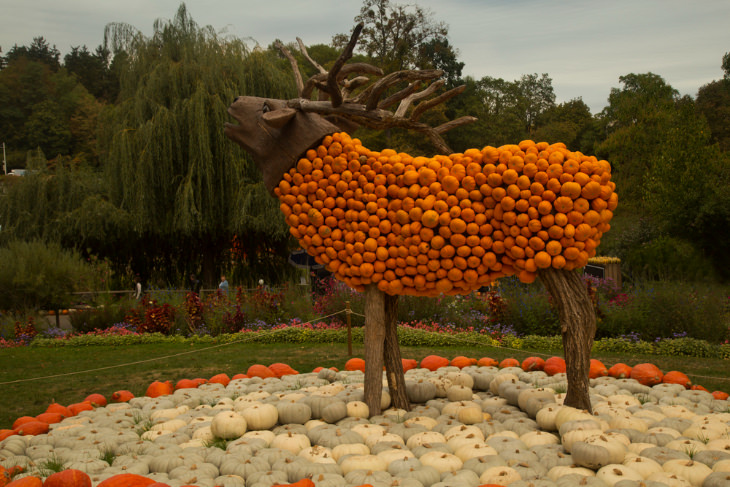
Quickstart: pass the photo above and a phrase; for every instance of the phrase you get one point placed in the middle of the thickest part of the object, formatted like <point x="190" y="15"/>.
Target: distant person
<point x="138" y="289"/>
<point x="223" y="286"/>
<point x="194" y="284"/>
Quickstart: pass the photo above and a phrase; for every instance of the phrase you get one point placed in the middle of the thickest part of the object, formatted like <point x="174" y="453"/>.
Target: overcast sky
<point x="583" y="45"/>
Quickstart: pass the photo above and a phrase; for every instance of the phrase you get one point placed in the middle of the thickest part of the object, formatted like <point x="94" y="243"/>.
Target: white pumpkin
<point x="228" y="425"/>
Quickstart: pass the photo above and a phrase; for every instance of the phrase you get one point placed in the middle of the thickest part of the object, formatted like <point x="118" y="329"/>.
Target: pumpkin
<point x="220" y="379"/>
<point x="78" y="407"/>
<point x="487" y="362"/>
<point x="620" y="371"/>
<point x="720" y="395"/>
<point x="434" y="362"/>
<point x="158" y="388"/>
<point x="58" y="408"/>
<point x="186" y="384"/>
<point x="597" y="369"/>
<point x="126" y="480"/>
<point x="532" y="363"/>
<point x="32" y="428"/>
<point x="68" y="478"/>
<point x="96" y="400"/>
<point x="280" y="370"/>
<point x="446" y="224"/>
<point x="121" y="396"/>
<point x="299" y="483"/>
<point x="461" y="362"/>
<point x="675" y="377"/>
<point x="647" y="374"/>
<point x="258" y="370"/>
<point x="409" y="364"/>
<point x="50" y="418"/>
<point x="355" y="363"/>
<point x="30" y="481"/>
<point x="228" y="425"/>
<point x="554" y="365"/>
<point x="509" y="362"/>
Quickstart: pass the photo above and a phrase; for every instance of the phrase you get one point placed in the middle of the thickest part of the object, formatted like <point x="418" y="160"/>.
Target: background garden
<point x="130" y="176"/>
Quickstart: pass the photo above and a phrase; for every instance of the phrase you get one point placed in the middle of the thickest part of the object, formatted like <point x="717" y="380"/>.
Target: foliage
<point x="657" y="310"/>
<point x="527" y="308"/>
<point x="86" y="320"/>
<point x="38" y="275"/>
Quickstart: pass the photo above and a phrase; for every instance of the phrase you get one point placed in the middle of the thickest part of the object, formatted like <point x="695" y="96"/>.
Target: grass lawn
<point x="55" y="367"/>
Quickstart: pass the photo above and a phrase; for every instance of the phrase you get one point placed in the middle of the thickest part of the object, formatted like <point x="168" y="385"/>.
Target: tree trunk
<point x="393" y="362"/>
<point x="374" y="341"/>
<point x="578" y="328"/>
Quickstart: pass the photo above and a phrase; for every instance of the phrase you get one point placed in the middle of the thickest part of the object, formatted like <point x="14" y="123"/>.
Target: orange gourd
<point x="158" y="388"/>
<point x="29" y="481"/>
<point x="509" y="362"/>
<point x="675" y="377"/>
<point x="620" y="371"/>
<point x="647" y="374"/>
<point x="68" y="478"/>
<point x="391" y="209"/>
<point x="258" y="370"/>
<point x="355" y="363"/>
<point x="487" y="362"/>
<point x="434" y="362"/>
<point x="461" y="362"/>
<point x="186" y="384"/>
<point x="96" y="400"/>
<point x="533" y="363"/>
<point x="121" y="396"/>
<point x="280" y="370"/>
<point x="597" y="369"/>
<point x="220" y="379"/>
<point x="126" y="480"/>
<point x="554" y="365"/>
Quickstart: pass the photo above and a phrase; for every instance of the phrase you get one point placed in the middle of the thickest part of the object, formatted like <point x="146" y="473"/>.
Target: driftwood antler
<point x="337" y="96"/>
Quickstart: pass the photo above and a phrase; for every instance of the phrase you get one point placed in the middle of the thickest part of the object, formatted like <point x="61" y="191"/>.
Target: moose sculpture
<point x="388" y="223"/>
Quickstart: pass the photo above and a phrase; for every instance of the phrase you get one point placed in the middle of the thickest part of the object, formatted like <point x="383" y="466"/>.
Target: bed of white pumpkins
<point x="467" y="427"/>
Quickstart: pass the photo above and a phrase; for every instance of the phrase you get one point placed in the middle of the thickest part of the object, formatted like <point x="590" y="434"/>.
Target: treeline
<point x="127" y="161"/>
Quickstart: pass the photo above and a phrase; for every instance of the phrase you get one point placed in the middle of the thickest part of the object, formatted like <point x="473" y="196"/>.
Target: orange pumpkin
<point x="408" y="364"/>
<point x="647" y="374"/>
<point x="461" y="362"/>
<point x="355" y="363"/>
<point x="434" y="362"/>
<point x="487" y="362"/>
<point x="4" y="433"/>
<point x="76" y="408"/>
<point x="533" y="363"/>
<point x="68" y="478"/>
<point x="698" y="388"/>
<point x="126" y="480"/>
<point x="29" y="481"/>
<point x="554" y="365"/>
<point x="720" y="395"/>
<point x="58" y="408"/>
<point x="597" y="369"/>
<point x="22" y="420"/>
<point x="32" y="428"/>
<point x="186" y="384"/>
<point x="620" y="371"/>
<point x="121" y="396"/>
<point x="280" y="370"/>
<point x="158" y="388"/>
<point x="220" y="379"/>
<point x="50" y="418"/>
<point x="96" y="400"/>
<point x="675" y="377"/>
<point x="299" y="483"/>
<point x="509" y="362"/>
<point x="258" y="370"/>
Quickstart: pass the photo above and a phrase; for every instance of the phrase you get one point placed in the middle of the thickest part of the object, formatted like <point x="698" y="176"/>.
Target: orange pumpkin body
<point x="487" y="362"/>
<point x="30" y="481"/>
<point x="280" y="370"/>
<point x="461" y="362"/>
<point x="434" y="362"/>
<point x="186" y="384"/>
<point x="533" y="363"/>
<point x="554" y="365"/>
<point x="620" y="371"/>
<point x="675" y="377"/>
<point x="126" y="480"/>
<point x="647" y="374"/>
<point x="445" y="224"/>
<point x="121" y="396"/>
<point x="259" y="370"/>
<point x="96" y="400"/>
<point x="509" y="362"/>
<point x="220" y="379"/>
<point x="33" y="428"/>
<point x="597" y="369"/>
<point x="158" y="388"/>
<point x="355" y="363"/>
<point x="68" y="478"/>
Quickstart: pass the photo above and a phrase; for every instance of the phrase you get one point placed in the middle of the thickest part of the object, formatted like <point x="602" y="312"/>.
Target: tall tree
<point x="169" y="165"/>
<point x="39" y="51"/>
<point x="635" y="121"/>
<point x="713" y="101"/>
<point x="398" y="37"/>
<point x="567" y="122"/>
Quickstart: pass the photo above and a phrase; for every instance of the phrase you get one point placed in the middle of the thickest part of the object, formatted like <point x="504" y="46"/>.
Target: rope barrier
<point x="251" y="338"/>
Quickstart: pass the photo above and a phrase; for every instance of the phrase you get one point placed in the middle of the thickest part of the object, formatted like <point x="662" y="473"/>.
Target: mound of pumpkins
<point x="472" y="423"/>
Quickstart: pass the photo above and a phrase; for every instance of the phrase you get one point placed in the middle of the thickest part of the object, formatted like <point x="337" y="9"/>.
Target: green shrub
<point x="667" y="310"/>
<point x="527" y="309"/>
<point x="87" y="320"/>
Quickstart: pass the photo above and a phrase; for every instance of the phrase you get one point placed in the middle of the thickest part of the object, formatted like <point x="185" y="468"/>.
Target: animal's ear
<point x="278" y="118"/>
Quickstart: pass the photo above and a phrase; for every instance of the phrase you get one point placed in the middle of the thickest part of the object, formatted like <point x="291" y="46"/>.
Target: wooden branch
<point x="395" y="98"/>
<point x="377" y="90"/>
<point x="406" y="103"/>
<point x="306" y="55"/>
<point x="294" y="66"/>
<point x="334" y="91"/>
<point x="317" y="81"/>
<point x="425" y="105"/>
<point x="452" y="124"/>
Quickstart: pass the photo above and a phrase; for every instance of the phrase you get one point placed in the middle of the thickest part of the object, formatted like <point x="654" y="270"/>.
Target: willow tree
<point x="168" y="163"/>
